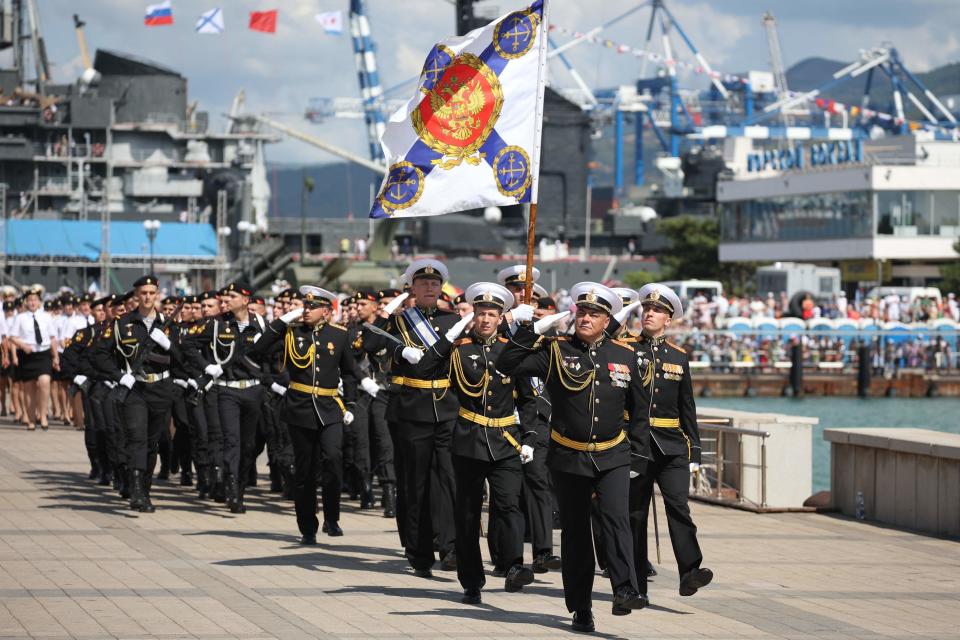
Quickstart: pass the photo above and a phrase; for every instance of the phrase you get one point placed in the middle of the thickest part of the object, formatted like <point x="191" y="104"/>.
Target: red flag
<point x="265" y="21"/>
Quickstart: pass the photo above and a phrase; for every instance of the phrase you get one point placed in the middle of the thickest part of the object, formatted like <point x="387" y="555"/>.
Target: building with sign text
<point x="892" y="202"/>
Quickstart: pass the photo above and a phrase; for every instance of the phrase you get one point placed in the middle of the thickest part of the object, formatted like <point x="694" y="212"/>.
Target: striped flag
<point x="158" y="14"/>
<point x="265" y="21"/>
<point x="210" y="22"/>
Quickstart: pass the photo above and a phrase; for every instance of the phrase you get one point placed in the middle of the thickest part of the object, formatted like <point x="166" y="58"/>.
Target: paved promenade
<point x="75" y="563"/>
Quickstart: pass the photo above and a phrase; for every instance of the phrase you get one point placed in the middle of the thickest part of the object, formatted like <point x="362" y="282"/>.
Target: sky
<point x="280" y="73"/>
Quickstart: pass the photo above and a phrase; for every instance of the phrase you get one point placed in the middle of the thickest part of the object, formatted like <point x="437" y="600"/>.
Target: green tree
<point x="951" y="273"/>
<point x="694" y="253"/>
<point x="638" y="278"/>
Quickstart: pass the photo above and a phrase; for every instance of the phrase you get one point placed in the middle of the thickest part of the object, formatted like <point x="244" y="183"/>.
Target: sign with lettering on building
<point x="799" y="156"/>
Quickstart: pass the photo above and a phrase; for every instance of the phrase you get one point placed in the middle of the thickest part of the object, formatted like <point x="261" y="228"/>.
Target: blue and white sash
<point x="421" y="326"/>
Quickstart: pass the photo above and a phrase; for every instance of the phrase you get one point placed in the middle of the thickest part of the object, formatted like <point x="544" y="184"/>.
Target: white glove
<point x="694" y="467"/>
<point x="160" y="338"/>
<point x="256" y="337"/>
<point x="394" y="304"/>
<point x="546" y="323"/>
<point x="624" y="313"/>
<point x="277" y="388"/>
<point x="213" y="370"/>
<point x="180" y="383"/>
<point x="193" y="384"/>
<point x="411" y="354"/>
<point x="523" y="313"/>
<point x="110" y="384"/>
<point x="290" y="316"/>
<point x="526" y="454"/>
<point x="347" y="418"/>
<point x="458" y="328"/>
<point x="128" y="381"/>
<point x="370" y="385"/>
<point x="79" y="380"/>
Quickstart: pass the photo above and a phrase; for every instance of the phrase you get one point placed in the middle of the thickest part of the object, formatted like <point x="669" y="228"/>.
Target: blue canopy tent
<point x="81" y="240"/>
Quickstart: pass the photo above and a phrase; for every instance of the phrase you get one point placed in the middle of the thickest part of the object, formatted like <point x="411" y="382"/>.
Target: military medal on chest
<point x="619" y="374"/>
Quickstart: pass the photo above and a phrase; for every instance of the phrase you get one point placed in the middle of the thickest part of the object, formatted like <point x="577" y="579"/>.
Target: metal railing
<point x="721" y="478"/>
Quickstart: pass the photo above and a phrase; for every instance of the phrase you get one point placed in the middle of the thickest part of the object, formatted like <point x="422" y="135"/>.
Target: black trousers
<point x="538" y="502"/>
<point x="672" y="474"/>
<point x="574" y="495"/>
<point x="506" y="480"/>
<point x="116" y="435"/>
<point x="211" y="411"/>
<point x="401" y="505"/>
<point x="356" y="444"/>
<point x="183" y="438"/>
<point x="239" y="416"/>
<point x="146" y="415"/>
<point x="382" y="444"/>
<point x="428" y="489"/>
<point x="199" y="435"/>
<point x="317" y="449"/>
<point x="104" y="436"/>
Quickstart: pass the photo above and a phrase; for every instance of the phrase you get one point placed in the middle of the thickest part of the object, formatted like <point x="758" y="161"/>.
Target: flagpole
<point x="531" y="240"/>
<point x="532" y="221"/>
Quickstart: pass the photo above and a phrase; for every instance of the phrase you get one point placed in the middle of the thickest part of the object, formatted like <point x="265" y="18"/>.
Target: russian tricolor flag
<point x="159" y="14"/>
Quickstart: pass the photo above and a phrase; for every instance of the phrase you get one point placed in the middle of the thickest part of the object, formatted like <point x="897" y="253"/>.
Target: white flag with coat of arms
<point x="470" y="136"/>
<point x="331" y="21"/>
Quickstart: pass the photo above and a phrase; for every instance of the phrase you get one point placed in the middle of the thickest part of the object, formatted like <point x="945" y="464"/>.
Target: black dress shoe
<point x="471" y="596"/>
<point x="694" y="580"/>
<point x="499" y="572"/>
<point x="449" y="562"/>
<point x="332" y="529"/>
<point x="650" y="570"/>
<point x="626" y="600"/>
<point x="423" y="573"/>
<point x="308" y="539"/>
<point x="545" y="562"/>
<point x="583" y="621"/>
<point x="517" y="578"/>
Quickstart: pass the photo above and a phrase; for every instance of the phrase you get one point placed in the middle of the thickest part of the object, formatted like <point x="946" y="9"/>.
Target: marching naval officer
<point x="592" y="380"/>
<point x="674" y="439"/>
<point x="318" y="356"/>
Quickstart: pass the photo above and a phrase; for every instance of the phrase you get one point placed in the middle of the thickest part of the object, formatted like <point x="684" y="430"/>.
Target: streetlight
<point x="151" y="227"/>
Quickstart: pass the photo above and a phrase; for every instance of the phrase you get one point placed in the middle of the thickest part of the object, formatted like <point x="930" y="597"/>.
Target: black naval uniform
<point x="240" y="395"/>
<point x="317" y="359"/>
<point x="75" y="361"/>
<point x="207" y="411"/>
<point x="485" y="446"/>
<point x="675" y="443"/>
<point x="590" y="386"/>
<point x="423" y="411"/>
<point x="147" y="406"/>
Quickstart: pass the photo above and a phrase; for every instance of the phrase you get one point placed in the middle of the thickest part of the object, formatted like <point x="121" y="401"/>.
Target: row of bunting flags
<point x="212" y="22"/>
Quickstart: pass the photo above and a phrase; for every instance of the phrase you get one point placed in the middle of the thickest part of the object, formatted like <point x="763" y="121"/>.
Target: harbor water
<point x="940" y="414"/>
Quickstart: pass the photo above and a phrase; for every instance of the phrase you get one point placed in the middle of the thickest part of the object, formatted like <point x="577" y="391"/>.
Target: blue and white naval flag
<point x="470" y="137"/>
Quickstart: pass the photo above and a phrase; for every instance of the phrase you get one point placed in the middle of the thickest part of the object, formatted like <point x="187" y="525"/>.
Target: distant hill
<point x="811" y="73"/>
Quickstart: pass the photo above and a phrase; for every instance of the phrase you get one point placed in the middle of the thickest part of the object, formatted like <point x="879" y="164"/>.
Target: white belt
<point x="238" y="384"/>
<point x="153" y="377"/>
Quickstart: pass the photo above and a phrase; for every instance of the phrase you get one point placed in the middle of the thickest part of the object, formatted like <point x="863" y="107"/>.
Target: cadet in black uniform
<point x="592" y="380"/>
<point x="207" y="413"/>
<point x="318" y="356"/>
<point x="675" y="448"/>
<point x="144" y="346"/>
<point x="533" y="402"/>
<point x="487" y="442"/>
<point x="226" y="352"/>
<point x="424" y="411"/>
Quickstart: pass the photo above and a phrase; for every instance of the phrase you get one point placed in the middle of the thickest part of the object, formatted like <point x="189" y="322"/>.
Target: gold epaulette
<point x="337" y="326"/>
<point x="681" y="349"/>
<point x="463" y="341"/>
<point x="502" y="339"/>
<point x="561" y="338"/>
<point x="622" y="344"/>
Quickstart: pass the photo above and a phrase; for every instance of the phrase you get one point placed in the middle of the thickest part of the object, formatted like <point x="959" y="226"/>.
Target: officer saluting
<point x="317" y="355"/>
<point x="592" y="380"/>
<point x="675" y="440"/>
<point x="486" y="441"/>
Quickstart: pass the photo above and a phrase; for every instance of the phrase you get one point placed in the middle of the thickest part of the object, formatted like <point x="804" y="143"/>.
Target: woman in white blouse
<point x="35" y="337"/>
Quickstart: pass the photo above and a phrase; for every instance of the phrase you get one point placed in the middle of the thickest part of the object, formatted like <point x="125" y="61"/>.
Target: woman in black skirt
<point x="35" y="337"/>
